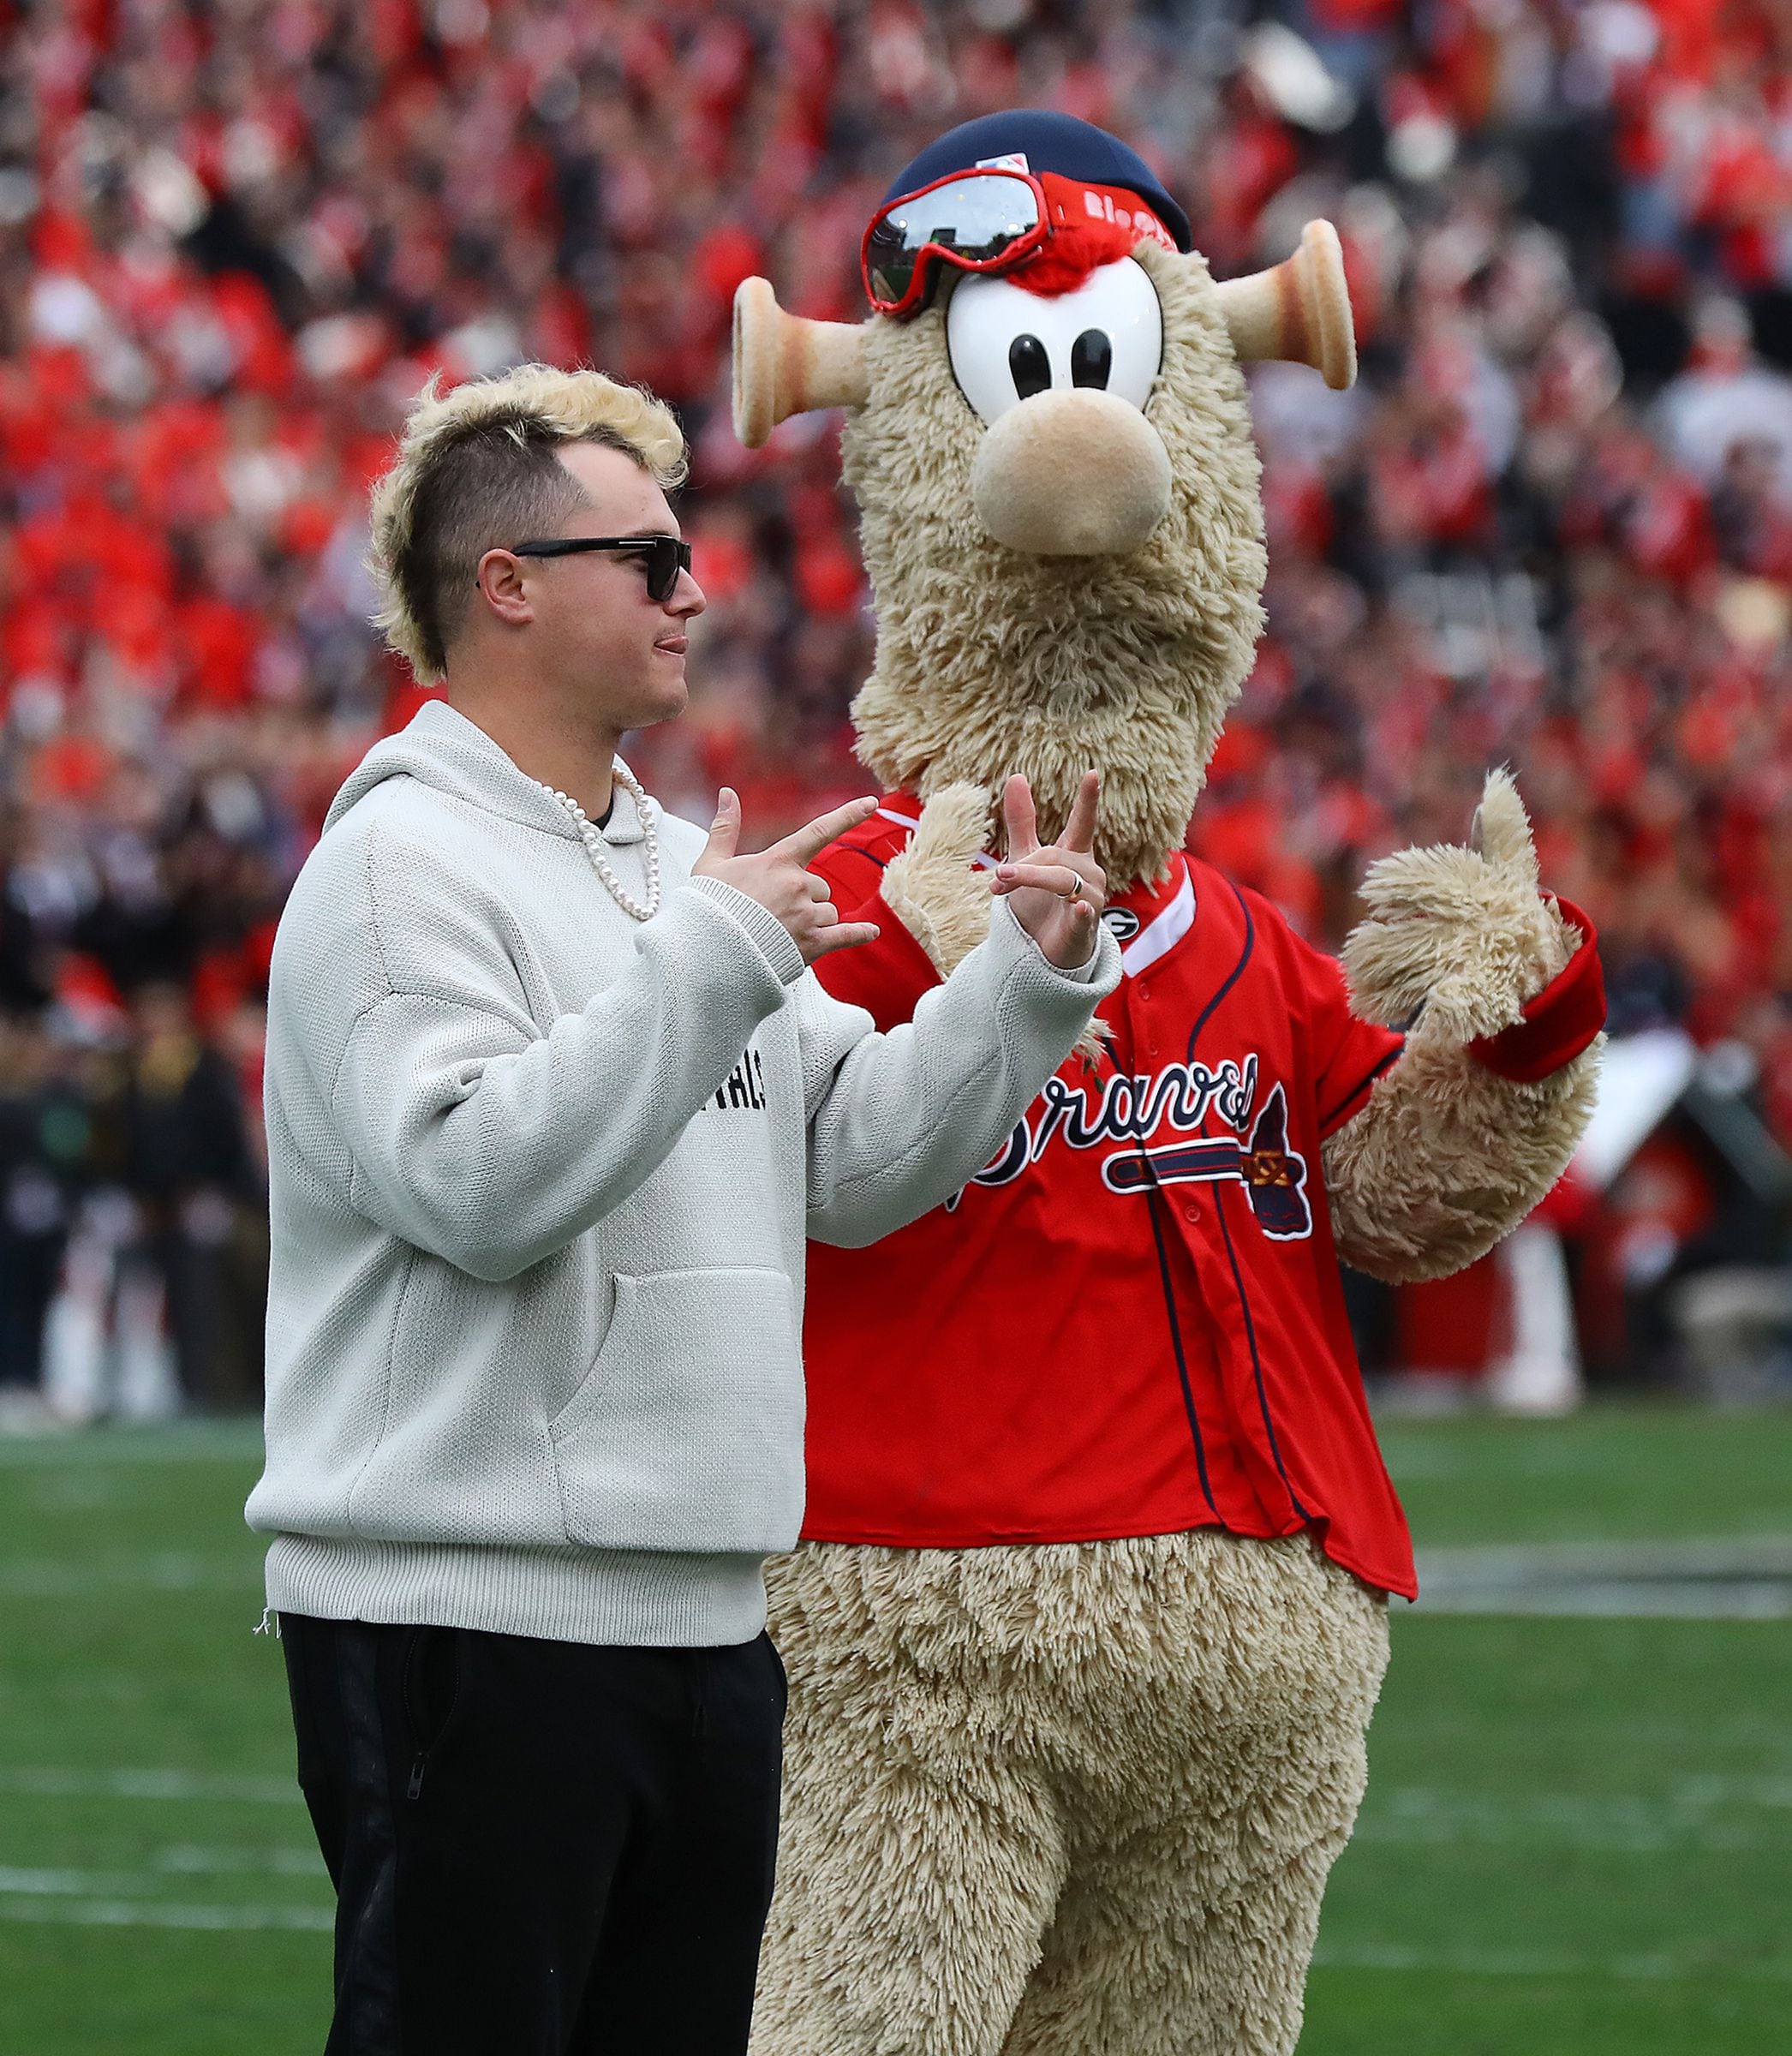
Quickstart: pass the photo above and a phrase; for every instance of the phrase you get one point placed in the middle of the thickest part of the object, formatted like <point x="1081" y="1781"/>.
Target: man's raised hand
<point x="777" y="877"/>
<point x="1057" y="892"/>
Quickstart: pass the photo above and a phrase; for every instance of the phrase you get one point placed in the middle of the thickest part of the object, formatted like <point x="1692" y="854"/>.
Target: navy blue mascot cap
<point x="1049" y="142"/>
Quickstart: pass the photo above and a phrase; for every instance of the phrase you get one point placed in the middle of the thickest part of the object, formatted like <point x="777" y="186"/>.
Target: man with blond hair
<point x="552" y="1101"/>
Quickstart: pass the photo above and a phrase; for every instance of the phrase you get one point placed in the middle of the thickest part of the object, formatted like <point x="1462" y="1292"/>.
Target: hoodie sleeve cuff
<point x="1102" y="970"/>
<point x="886" y="977"/>
<point x="772" y="937"/>
<point x="1559" y="1022"/>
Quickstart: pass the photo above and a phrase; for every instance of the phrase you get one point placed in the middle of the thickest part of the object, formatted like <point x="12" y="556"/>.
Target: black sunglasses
<point x="663" y="557"/>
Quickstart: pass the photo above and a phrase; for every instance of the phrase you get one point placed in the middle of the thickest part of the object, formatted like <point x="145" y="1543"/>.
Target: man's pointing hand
<point x="777" y="877"/>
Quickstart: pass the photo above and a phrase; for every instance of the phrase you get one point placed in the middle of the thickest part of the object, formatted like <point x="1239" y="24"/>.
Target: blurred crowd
<point x="1552" y="526"/>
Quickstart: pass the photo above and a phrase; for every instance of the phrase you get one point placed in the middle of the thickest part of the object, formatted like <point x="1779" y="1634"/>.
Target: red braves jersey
<point x="1131" y="1321"/>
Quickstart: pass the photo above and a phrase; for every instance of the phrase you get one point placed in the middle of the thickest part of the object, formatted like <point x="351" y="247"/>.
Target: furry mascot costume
<point x="1090" y="1617"/>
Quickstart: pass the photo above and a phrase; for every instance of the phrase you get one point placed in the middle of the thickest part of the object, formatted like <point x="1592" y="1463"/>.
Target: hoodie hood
<point x="442" y="748"/>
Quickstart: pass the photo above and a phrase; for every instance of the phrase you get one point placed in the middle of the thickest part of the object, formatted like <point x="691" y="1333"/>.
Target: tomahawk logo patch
<point x="1182" y="1098"/>
<point x="1273" y="1176"/>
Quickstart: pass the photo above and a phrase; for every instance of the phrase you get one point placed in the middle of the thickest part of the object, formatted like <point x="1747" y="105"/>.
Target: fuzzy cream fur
<point x="1462" y="931"/>
<point x="932" y="886"/>
<point x="1071" y="1799"/>
<point x="1056" y="1800"/>
<point x="1447" y="1157"/>
<point x="991" y="661"/>
<point x="567" y="405"/>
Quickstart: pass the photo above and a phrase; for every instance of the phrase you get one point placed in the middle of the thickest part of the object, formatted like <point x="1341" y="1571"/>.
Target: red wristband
<point x="1560" y="1022"/>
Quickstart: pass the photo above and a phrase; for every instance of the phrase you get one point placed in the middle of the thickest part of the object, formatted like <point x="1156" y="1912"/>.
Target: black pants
<point x="538" y="1848"/>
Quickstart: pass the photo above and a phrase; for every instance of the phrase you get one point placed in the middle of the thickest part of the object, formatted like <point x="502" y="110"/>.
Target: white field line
<point x="184" y="1859"/>
<point x="1740" y="1578"/>
<point x="1683" y="1557"/>
<point x="1654" y="1966"/>
<point x="148" y="1913"/>
<point x="19" y="1881"/>
<point x="131" y="1898"/>
<point x="127" y="1899"/>
<point x="1743" y="1601"/>
<point x="164" y="1570"/>
<point x="58" y="1883"/>
<point x="186" y="1442"/>
<point x="1709" y="1815"/>
<point x="241" y="1791"/>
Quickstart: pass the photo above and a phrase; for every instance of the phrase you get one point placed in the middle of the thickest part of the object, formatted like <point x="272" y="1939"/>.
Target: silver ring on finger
<point x="1076" y="889"/>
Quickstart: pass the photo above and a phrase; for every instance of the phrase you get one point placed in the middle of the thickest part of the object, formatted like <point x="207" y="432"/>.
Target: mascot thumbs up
<point x="1090" y="1618"/>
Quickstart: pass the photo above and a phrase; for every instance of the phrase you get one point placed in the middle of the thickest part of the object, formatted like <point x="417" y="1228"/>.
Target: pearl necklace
<point x="592" y="837"/>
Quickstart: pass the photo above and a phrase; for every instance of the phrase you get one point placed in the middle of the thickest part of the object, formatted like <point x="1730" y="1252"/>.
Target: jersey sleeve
<point x="1349" y="1053"/>
<point x="886" y="977"/>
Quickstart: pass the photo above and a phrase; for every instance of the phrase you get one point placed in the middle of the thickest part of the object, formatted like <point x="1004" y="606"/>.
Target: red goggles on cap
<point x="993" y="219"/>
<point x="983" y="220"/>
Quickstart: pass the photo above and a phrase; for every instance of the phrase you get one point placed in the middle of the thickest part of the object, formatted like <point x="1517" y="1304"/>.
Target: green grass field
<point x="1578" y="1838"/>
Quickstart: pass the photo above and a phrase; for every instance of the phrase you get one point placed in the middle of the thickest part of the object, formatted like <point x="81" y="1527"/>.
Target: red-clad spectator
<point x="1553" y="526"/>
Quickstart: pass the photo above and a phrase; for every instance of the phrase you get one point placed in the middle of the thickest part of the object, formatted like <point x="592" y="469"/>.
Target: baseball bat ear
<point x="1299" y="311"/>
<point x="786" y="365"/>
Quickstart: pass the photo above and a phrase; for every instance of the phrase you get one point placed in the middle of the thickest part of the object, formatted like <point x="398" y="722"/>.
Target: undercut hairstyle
<point x="478" y="468"/>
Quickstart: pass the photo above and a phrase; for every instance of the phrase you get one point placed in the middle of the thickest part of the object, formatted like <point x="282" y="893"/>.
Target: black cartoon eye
<point x="1007" y="345"/>
<point x="1091" y="358"/>
<point x="1029" y="366"/>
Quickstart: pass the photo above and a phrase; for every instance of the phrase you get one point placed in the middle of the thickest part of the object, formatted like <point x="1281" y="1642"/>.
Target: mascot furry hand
<point x="1090" y="1620"/>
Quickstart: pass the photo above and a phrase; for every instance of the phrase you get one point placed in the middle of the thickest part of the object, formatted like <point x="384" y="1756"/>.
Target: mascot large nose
<point x="1073" y="472"/>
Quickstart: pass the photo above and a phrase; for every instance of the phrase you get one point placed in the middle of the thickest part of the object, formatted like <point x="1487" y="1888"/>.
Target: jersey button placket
<point x="1147" y="1028"/>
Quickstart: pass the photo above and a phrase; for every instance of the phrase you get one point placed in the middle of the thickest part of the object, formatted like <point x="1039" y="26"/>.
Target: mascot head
<point x="1049" y="443"/>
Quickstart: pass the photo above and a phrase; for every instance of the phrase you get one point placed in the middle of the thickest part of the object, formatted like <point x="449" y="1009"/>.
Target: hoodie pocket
<point x="687" y="1432"/>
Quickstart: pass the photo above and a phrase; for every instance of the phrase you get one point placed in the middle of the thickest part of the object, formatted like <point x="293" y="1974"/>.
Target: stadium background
<point x="1551" y="527"/>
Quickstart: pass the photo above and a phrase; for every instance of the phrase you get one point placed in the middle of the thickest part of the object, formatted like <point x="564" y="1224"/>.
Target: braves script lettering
<point x="1131" y="1110"/>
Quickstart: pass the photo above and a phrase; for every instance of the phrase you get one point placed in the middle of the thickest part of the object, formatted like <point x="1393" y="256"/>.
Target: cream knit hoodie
<point x="540" y="1177"/>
